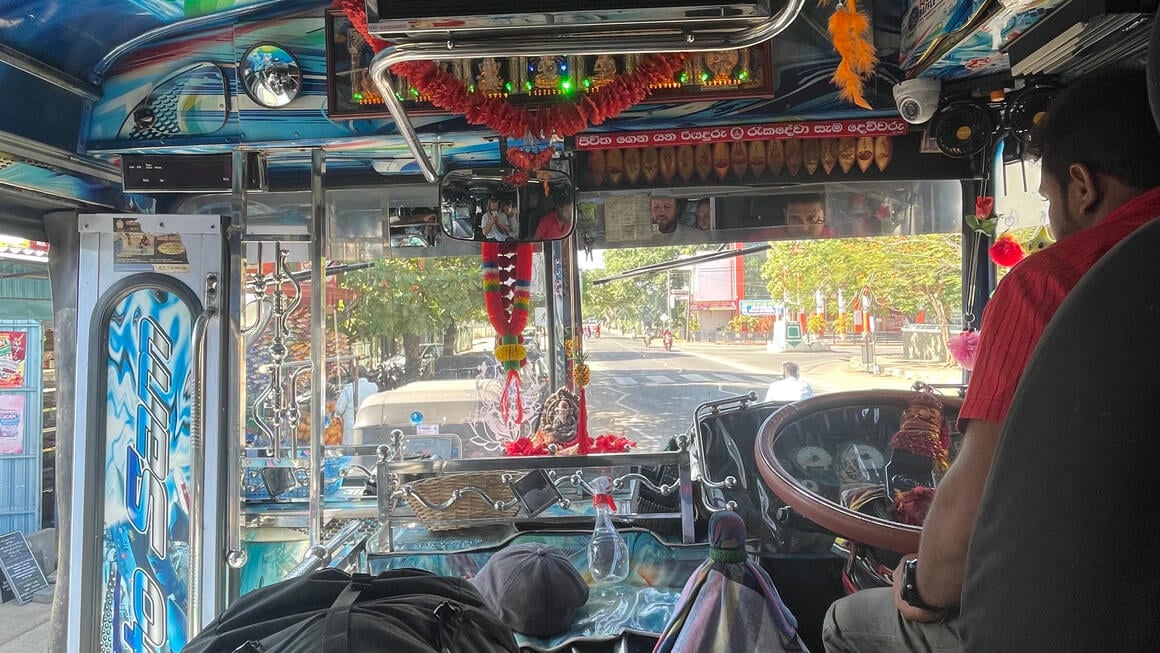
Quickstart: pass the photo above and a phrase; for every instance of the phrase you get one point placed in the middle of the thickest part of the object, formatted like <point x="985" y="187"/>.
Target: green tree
<point x="903" y="273"/>
<point x="410" y="298"/>
<point x="633" y="299"/>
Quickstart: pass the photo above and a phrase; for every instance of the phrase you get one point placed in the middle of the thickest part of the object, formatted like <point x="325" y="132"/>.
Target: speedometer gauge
<point x="813" y="458"/>
<point x="859" y="463"/>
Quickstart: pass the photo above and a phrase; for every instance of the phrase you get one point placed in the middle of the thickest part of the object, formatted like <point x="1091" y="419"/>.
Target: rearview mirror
<point x="495" y="204"/>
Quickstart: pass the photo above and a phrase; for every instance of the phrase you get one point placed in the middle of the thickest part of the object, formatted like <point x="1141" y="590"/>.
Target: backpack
<point x="331" y="611"/>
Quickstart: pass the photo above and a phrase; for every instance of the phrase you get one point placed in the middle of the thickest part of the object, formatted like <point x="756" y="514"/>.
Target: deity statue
<point x="722" y="64"/>
<point x="547" y="72"/>
<point x="490" y="80"/>
<point x="603" y="70"/>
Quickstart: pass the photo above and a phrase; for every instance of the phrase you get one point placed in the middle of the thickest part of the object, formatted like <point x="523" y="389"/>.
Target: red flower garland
<point x="506" y="295"/>
<point x="607" y="443"/>
<point x="566" y="119"/>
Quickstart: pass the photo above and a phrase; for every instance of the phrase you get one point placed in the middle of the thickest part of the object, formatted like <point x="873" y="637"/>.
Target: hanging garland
<point x="557" y="120"/>
<point x="507" y="283"/>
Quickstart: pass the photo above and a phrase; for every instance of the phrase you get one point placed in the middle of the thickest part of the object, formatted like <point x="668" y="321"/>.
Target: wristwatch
<point x="909" y="588"/>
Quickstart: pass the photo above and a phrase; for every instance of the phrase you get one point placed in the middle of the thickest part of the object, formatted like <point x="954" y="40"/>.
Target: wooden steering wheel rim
<point x="859" y="527"/>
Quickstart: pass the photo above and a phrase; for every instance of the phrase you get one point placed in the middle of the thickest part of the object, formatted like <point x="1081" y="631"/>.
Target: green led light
<point x="587" y="83"/>
<point x="471" y="88"/>
<point x="566" y="85"/>
<point x="415" y="92"/>
<point x="358" y="96"/>
<point x="704" y="77"/>
<point x="684" y="78"/>
<point x="744" y="75"/>
<point x="507" y="87"/>
<point x="528" y="85"/>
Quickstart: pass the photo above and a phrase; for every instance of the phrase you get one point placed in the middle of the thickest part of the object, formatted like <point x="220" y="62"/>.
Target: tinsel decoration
<point x="1006" y="251"/>
<point x="854" y="41"/>
<point x="507" y="282"/>
<point x="924" y="431"/>
<point x="912" y="506"/>
<point x="965" y="347"/>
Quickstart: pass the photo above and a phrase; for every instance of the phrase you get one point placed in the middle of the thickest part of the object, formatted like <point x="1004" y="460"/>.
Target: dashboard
<point x="834" y="450"/>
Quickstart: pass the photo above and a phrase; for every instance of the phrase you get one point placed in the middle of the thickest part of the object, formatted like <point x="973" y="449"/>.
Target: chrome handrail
<point x="197" y="452"/>
<point x="674" y="40"/>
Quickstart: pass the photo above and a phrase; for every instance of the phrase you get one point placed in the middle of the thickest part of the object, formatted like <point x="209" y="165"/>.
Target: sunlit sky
<point x="597" y="261"/>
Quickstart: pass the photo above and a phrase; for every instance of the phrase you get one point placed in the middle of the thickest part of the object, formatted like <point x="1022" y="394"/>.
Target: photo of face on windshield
<point x="674" y="215"/>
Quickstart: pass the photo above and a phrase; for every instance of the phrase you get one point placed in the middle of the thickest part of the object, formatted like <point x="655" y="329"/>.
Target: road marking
<point x="729" y="378"/>
<point x="740" y="367"/>
<point x="624" y="380"/>
<point x="657" y="378"/>
<point x="695" y="378"/>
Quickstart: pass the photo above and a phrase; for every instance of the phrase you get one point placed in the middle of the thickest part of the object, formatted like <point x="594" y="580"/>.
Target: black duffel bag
<point x="330" y="611"/>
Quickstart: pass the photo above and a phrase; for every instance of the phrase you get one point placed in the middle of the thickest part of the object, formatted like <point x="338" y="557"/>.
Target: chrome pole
<point x="236" y="398"/>
<point x="197" y="453"/>
<point x="523" y="45"/>
<point x="317" y="337"/>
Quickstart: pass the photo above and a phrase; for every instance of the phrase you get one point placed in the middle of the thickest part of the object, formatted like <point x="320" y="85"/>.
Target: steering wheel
<point x="857" y="526"/>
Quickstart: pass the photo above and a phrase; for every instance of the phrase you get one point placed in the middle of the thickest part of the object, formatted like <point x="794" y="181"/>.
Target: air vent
<point x="397" y="17"/>
<point x="1079" y="37"/>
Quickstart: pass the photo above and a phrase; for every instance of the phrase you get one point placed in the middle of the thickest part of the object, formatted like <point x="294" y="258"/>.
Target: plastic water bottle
<point x="607" y="551"/>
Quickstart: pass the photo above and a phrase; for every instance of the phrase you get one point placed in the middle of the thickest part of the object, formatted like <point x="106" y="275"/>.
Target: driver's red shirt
<point x="1027" y="298"/>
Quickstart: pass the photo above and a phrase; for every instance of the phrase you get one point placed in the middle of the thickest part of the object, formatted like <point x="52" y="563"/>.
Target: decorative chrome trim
<point x="24" y="148"/>
<point x="41" y="70"/>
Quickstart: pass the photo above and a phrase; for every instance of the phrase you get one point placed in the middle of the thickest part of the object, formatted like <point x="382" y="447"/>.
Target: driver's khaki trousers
<point x="868" y="622"/>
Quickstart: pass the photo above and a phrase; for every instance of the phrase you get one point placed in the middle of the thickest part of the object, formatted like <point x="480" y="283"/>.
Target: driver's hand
<point x="908" y="611"/>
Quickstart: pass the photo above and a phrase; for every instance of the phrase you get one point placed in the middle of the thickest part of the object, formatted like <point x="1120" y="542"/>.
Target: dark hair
<point x="361" y="372"/>
<point x="791" y="369"/>
<point x="811" y="198"/>
<point x="1104" y="122"/>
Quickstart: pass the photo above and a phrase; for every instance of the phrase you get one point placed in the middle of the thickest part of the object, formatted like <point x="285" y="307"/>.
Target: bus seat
<point x="1064" y="552"/>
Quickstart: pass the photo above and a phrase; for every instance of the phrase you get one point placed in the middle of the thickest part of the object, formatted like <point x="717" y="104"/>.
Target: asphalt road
<point x="649" y="395"/>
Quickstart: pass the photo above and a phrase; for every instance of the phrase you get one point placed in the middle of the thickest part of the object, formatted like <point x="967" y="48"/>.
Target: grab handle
<point x="197" y="452"/>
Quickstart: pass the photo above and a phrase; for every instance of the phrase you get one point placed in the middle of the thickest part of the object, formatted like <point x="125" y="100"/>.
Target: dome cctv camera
<point x="917" y="99"/>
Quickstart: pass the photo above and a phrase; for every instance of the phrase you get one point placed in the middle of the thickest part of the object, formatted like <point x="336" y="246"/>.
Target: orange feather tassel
<point x="850" y="32"/>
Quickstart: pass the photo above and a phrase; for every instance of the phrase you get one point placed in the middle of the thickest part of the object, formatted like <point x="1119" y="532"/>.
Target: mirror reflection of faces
<point x="704" y="215"/>
<point x="665" y="211"/>
<point x="805" y="217"/>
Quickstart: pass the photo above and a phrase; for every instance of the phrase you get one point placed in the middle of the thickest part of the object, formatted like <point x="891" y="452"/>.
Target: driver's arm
<point x="942" y="553"/>
<point x="1013" y="321"/>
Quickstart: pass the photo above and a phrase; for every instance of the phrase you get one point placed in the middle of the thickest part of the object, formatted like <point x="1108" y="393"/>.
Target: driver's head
<point x="1098" y="146"/>
<point x="805" y="216"/>
<point x="790" y="370"/>
<point x="664" y="213"/>
<point x="493" y="203"/>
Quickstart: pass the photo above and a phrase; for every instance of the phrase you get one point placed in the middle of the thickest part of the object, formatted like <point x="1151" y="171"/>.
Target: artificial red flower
<point x="609" y="443"/>
<point x="984" y="205"/>
<point x="523" y="446"/>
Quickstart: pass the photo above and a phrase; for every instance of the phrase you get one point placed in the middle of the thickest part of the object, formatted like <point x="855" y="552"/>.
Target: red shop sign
<point x="868" y="127"/>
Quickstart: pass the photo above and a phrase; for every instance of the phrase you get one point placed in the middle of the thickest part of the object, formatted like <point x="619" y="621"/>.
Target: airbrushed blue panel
<point x="804" y="63"/>
<point x="73" y="35"/>
<point x="38" y="110"/>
